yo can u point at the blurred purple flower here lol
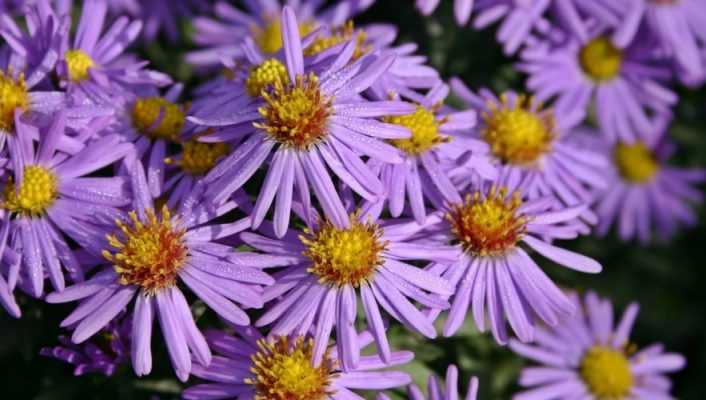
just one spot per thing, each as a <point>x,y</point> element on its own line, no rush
<point>439,392</point>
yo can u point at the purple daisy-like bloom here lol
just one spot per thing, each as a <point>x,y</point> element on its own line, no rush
<point>94,66</point>
<point>147,253</point>
<point>105,354</point>
<point>645,195</point>
<point>314,122</point>
<point>421,178</point>
<point>587,357</point>
<point>159,16</point>
<point>439,392</point>
<point>51,194</point>
<point>224,35</point>
<point>619,79</point>
<point>281,368</point>
<point>494,273</point>
<point>534,150</point>
<point>462,9</point>
<point>328,265</point>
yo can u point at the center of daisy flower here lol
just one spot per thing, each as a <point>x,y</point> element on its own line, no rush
<point>37,192</point>
<point>425,131</point>
<point>264,76</point>
<point>269,37</point>
<point>340,35</point>
<point>606,372</point>
<point>488,225</point>
<point>78,63</point>
<point>600,59</point>
<point>148,254</point>
<point>635,162</point>
<point>157,118</point>
<point>283,371</point>
<point>198,158</point>
<point>13,95</point>
<point>295,114</point>
<point>519,133</point>
<point>346,256</point>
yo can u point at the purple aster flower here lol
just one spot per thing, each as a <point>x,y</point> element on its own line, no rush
<point>534,149</point>
<point>109,350</point>
<point>147,253</point>
<point>587,357</point>
<point>159,16</point>
<point>495,273</point>
<point>328,265</point>
<point>421,178</point>
<point>462,9</point>
<point>51,195</point>
<point>94,66</point>
<point>439,392</point>
<point>620,80</point>
<point>222,36</point>
<point>281,368</point>
<point>644,195</point>
<point>314,122</point>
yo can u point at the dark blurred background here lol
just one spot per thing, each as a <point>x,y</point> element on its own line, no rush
<point>667,279</point>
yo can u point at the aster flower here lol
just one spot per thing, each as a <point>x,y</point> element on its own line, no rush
<point>222,36</point>
<point>281,368</point>
<point>328,265</point>
<point>314,121</point>
<point>51,194</point>
<point>421,178</point>
<point>645,195</point>
<point>588,357</point>
<point>462,9</point>
<point>534,149</point>
<point>159,16</point>
<point>147,253</point>
<point>439,392</point>
<point>93,66</point>
<point>495,273</point>
<point>105,354</point>
<point>620,80</point>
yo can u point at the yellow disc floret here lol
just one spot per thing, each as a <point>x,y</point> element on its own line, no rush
<point>600,59</point>
<point>283,370</point>
<point>337,36</point>
<point>158,118</point>
<point>149,254</point>
<point>37,192</point>
<point>347,256</point>
<point>488,225</point>
<point>77,64</point>
<point>269,37</point>
<point>635,162</point>
<point>13,96</point>
<point>606,373</point>
<point>265,75</point>
<point>296,114</point>
<point>198,158</point>
<point>518,133</point>
<point>425,131</point>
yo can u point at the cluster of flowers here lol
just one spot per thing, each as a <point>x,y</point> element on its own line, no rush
<point>320,169</point>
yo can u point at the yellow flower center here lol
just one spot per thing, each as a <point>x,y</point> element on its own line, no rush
<point>295,114</point>
<point>269,37</point>
<point>198,158</point>
<point>340,35</point>
<point>158,118</point>
<point>38,191</point>
<point>488,225</point>
<point>425,131</point>
<point>265,75</point>
<point>635,162</point>
<point>78,63</point>
<point>600,59</point>
<point>148,254</point>
<point>519,134</point>
<point>347,256</point>
<point>13,95</point>
<point>606,372</point>
<point>283,370</point>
